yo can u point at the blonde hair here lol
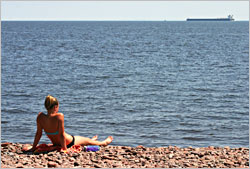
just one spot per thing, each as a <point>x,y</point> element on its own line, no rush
<point>50,102</point>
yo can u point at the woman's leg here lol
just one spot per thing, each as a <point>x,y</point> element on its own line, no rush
<point>95,137</point>
<point>79,140</point>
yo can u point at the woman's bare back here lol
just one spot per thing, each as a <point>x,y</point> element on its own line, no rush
<point>50,124</point>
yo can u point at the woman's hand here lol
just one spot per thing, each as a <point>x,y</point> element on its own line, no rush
<point>33,149</point>
<point>28,148</point>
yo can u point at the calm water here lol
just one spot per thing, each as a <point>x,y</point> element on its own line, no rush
<point>149,83</point>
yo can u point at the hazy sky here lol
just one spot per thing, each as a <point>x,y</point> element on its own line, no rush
<point>122,10</point>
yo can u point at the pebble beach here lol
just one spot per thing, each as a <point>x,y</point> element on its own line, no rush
<point>12,156</point>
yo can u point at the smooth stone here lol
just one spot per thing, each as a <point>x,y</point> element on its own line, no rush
<point>19,165</point>
<point>52,164</point>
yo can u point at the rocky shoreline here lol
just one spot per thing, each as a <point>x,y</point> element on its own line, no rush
<point>12,156</point>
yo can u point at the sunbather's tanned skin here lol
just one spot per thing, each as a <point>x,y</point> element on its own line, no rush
<point>53,125</point>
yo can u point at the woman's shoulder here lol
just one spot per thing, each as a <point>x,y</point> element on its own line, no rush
<point>40,114</point>
<point>59,115</point>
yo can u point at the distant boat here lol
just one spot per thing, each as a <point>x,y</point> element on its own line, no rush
<point>229,18</point>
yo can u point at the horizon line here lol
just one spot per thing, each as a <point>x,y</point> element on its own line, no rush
<point>110,20</point>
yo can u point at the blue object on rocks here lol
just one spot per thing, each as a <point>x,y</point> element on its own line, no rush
<point>91,148</point>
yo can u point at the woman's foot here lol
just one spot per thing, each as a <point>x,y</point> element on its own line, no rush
<point>108,140</point>
<point>95,138</point>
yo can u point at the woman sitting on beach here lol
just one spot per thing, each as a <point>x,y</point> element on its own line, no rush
<point>53,125</point>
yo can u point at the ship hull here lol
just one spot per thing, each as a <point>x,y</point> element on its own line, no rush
<point>220,19</point>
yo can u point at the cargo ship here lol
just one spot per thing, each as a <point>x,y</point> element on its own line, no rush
<point>229,18</point>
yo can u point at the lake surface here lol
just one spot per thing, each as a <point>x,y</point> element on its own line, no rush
<point>145,83</point>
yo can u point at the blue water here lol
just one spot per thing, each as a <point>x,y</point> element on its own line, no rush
<point>145,83</point>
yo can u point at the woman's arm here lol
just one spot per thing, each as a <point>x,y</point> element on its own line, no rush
<point>39,131</point>
<point>61,132</point>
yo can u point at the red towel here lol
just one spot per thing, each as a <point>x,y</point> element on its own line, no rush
<point>44,148</point>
